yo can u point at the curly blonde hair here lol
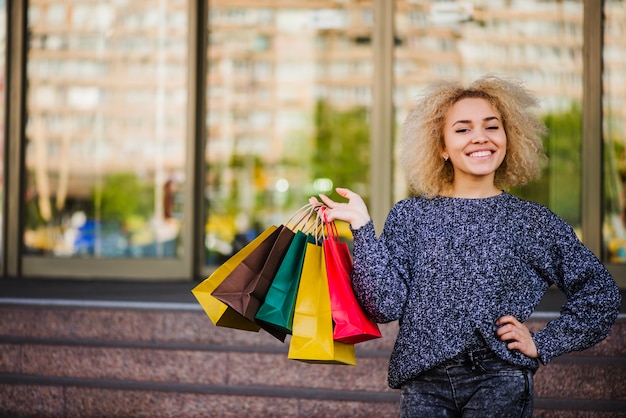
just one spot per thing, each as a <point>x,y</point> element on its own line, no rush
<point>422,135</point>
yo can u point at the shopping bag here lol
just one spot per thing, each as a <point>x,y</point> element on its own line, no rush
<point>312,333</point>
<point>220,313</point>
<point>352,325</point>
<point>277,309</point>
<point>244,289</point>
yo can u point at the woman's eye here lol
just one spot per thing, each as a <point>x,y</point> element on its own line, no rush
<point>462,130</point>
<point>493,128</point>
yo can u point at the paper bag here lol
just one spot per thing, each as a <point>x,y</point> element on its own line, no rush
<point>312,332</point>
<point>220,313</point>
<point>352,325</point>
<point>277,310</point>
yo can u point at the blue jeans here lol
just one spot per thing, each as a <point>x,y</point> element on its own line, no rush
<point>474,384</point>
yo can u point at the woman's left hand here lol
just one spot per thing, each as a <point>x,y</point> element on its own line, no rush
<point>354,211</point>
<point>517,336</point>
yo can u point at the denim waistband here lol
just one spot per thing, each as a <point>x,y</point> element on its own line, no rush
<point>470,357</point>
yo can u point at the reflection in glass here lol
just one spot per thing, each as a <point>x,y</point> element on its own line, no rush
<point>614,126</point>
<point>106,106</point>
<point>537,42</point>
<point>289,88</point>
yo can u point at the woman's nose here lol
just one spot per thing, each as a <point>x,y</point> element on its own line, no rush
<point>480,137</point>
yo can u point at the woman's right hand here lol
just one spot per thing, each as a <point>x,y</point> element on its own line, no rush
<point>354,211</point>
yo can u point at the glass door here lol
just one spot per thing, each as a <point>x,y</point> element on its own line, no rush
<point>106,137</point>
<point>3,47</point>
<point>539,43</point>
<point>288,99</point>
<point>614,123</point>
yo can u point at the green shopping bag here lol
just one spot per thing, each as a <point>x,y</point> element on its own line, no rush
<point>277,309</point>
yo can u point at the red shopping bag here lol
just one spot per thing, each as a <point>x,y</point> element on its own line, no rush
<point>352,325</point>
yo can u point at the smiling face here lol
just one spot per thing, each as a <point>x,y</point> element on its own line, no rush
<point>475,142</point>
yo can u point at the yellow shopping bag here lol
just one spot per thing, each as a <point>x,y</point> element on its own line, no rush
<point>221,314</point>
<point>312,333</point>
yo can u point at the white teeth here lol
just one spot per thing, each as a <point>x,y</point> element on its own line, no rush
<point>480,154</point>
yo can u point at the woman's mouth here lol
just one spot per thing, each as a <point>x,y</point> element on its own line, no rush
<point>478,154</point>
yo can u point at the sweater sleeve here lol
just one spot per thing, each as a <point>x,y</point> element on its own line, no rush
<point>379,272</point>
<point>593,298</point>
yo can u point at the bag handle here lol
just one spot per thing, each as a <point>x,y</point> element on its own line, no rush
<point>330,227</point>
<point>318,226</point>
<point>302,218</point>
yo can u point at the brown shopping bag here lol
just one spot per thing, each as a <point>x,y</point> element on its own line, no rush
<point>312,332</point>
<point>277,309</point>
<point>244,289</point>
<point>220,313</point>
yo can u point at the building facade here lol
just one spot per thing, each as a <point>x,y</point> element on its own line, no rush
<point>151,139</point>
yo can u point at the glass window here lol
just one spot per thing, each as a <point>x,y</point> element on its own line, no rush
<point>538,42</point>
<point>106,128</point>
<point>289,88</point>
<point>614,126</point>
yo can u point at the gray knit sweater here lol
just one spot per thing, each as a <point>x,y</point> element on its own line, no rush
<point>448,268</point>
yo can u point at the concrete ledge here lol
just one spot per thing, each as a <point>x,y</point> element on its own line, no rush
<point>147,294</point>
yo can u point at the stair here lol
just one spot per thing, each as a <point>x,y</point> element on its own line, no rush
<point>163,359</point>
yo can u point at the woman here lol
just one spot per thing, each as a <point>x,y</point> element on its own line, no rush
<point>463,264</point>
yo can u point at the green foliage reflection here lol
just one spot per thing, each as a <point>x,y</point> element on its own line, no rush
<point>123,196</point>
<point>342,150</point>
<point>559,187</point>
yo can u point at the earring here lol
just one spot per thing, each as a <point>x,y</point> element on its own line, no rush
<point>446,159</point>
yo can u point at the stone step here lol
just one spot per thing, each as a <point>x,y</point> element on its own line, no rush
<point>154,323</point>
<point>202,366</point>
<point>111,361</point>
<point>579,377</point>
<point>119,400</point>
<point>187,323</point>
